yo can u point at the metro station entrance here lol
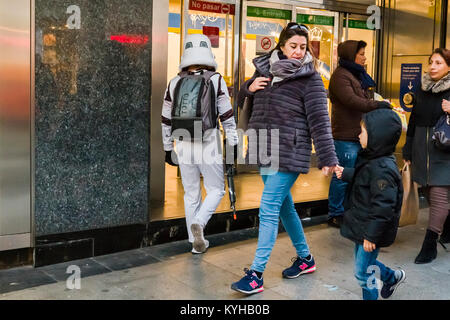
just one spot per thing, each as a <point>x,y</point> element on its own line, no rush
<point>240,31</point>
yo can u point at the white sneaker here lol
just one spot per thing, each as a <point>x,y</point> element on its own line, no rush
<point>197,252</point>
<point>199,241</point>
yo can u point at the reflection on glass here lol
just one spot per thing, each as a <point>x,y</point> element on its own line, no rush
<point>258,26</point>
<point>223,50</point>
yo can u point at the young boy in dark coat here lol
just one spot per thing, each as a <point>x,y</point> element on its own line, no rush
<point>374,202</point>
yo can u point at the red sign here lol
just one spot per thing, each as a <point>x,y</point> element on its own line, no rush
<point>213,34</point>
<point>212,7</point>
<point>266,43</point>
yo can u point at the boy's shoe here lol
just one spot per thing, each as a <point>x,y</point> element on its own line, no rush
<point>300,266</point>
<point>389,289</point>
<point>199,241</point>
<point>197,252</point>
<point>249,284</point>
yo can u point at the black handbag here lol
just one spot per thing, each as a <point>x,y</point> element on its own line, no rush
<point>441,135</point>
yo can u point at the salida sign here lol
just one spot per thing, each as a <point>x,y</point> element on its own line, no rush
<point>212,7</point>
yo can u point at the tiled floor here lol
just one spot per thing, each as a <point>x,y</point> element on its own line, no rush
<point>170,271</point>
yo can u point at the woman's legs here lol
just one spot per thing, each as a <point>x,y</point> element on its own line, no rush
<point>439,206</point>
<point>439,202</point>
<point>293,225</point>
<point>276,188</point>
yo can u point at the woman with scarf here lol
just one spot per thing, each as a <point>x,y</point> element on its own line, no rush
<point>349,92</point>
<point>430,166</point>
<point>289,99</point>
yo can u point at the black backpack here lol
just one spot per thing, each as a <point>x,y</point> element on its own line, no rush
<point>194,102</point>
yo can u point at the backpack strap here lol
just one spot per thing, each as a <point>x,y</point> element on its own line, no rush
<point>215,92</point>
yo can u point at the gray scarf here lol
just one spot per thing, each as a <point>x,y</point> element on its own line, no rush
<point>286,68</point>
<point>435,86</point>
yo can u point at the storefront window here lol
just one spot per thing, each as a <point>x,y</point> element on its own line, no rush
<point>262,29</point>
<point>174,38</point>
<point>358,30</point>
<point>321,31</point>
<point>219,27</point>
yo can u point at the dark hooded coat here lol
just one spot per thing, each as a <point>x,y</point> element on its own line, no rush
<point>374,202</point>
<point>349,100</point>
<point>297,108</point>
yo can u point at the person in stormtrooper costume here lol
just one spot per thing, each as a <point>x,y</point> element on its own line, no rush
<point>199,157</point>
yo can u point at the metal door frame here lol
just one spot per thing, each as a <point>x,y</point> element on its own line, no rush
<point>22,235</point>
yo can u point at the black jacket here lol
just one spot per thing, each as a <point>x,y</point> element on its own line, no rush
<point>374,202</point>
<point>429,165</point>
<point>297,108</point>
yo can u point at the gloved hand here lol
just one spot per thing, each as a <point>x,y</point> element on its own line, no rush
<point>232,136</point>
<point>383,105</point>
<point>169,158</point>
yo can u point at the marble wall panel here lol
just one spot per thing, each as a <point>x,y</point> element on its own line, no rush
<point>92,113</point>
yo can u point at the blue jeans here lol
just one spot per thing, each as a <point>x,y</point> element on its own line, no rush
<point>276,203</point>
<point>347,152</point>
<point>367,268</point>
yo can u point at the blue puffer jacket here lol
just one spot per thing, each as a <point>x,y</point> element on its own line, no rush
<point>297,107</point>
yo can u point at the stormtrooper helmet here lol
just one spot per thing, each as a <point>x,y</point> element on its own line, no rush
<point>197,51</point>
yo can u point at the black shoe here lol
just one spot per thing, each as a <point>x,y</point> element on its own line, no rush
<point>335,222</point>
<point>429,248</point>
<point>389,289</point>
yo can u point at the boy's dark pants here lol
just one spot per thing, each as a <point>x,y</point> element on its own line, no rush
<point>367,269</point>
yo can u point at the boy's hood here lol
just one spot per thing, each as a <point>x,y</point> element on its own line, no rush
<point>384,128</point>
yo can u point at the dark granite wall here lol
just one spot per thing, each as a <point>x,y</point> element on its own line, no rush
<point>92,114</point>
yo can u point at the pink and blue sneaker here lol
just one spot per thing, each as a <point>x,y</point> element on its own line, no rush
<point>300,266</point>
<point>249,284</point>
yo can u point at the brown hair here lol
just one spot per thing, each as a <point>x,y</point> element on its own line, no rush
<point>295,29</point>
<point>444,53</point>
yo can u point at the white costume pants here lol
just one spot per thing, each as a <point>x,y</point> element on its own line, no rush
<point>197,211</point>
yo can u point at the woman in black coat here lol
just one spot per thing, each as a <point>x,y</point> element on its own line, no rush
<point>430,166</point>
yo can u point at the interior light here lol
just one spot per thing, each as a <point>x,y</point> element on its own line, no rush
<point>132,39</point>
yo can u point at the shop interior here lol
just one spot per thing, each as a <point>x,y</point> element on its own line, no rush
<point>260,20</point>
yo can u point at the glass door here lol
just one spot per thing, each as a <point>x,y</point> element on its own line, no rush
<point>323,26</point>
<point>215,20</point>
<point>212,18</point>
<point>261,26</point>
